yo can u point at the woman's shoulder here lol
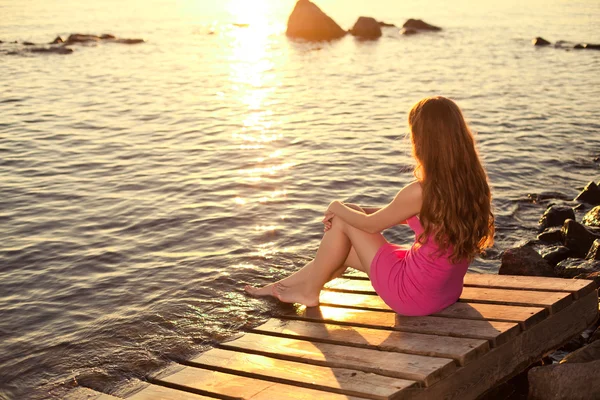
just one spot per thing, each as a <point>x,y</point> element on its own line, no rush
<point>413,190</point>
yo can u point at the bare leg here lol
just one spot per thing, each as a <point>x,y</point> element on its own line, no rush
<point>307,271</point>
<point>329,262</point>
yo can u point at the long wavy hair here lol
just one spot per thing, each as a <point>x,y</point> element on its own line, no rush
<point>456,208</point>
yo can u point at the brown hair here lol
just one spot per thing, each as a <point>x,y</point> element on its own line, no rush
<point>456,208</point>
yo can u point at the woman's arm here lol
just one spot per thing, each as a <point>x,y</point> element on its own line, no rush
<point>366,210</point>
<point>406,204</point>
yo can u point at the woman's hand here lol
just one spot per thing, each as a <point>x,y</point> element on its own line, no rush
<point>329,214</point>
<point>327,220</point>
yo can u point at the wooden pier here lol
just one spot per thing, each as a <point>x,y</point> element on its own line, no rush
<point>354,347</point>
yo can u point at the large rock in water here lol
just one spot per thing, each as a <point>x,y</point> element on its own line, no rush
<point>307,21</point>
<point>420,25</point>
<point>556,254</point>
<point>590,194</point>
<point>576,267</point>
<point>538,41</point>
<point>588,353</point>
<point>524,261</point>
<point>592,218</point>
<point>594,252</point>
<point>565,381</point>
<point>366,28</point>
<point>578,238</point>
<point>555,216</point>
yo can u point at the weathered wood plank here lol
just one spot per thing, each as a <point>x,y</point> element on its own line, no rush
<point>81,392</point>
<point>552,301</point>
<point>462,350</point>
<point>494,331</point>
<point>156,392</point>
<point>336,380</point>
<point>526,316</point>
<point>241,387</point>
<point>505,361</point>
<point>578,287</point>
<point>426,370</point>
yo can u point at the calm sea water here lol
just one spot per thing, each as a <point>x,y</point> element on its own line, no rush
<point>143,186</point>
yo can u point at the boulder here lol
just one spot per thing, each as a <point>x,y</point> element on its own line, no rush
<point>565,381</point>
<point>594,252</point>
<point>129,41</point>
<point>386,25</point>
<point>590,194</point>
<point>81,38</point>
<point>578,238</point>
<point>420,25</point>
<point>588,353</point>
<point>551,235</point>
<point>576,267</point>
<point>592,218</point>
<point>556,216</point>
<point>407,31</point>
<point>28,44</point>
<point>57,40</point>
<point>538,41</point>
<point>106,36</point>
<point>366,28</point>
<point>595,336</point>
<point>543,196</point>
<point>556,254</point>
<point>307,21</point>
<point>587,46</point>
<point>524,261</point>
<point>54,50</point>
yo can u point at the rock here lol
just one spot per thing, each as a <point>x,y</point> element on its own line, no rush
<point>105,36</point>
<point>129,41</point>
<point>54,50</point>
<point>590,194</point>
<point>57,40</point>
<point>1,42</point>
<point>307,21</point>
<point>556,254</point>
<point>420,25</point>
<point>386,25</point>
<point>587,46</point>
<point>551,235</point>
<point>81,38</point>
<point>577,238</point>
<point>593,276</point>
<point>594,252</point>
<point>565,381</point>
<point>366,28</point>
<point>538,41</point>
<point>588,353</point>
<point>28,44</point>
<point>540,197</point>
<point>556,216</point>
<point>595,336</point>
<point>592,218</point>
<point>524,261</point>
<point>405,31</point>
<point>576,267</point>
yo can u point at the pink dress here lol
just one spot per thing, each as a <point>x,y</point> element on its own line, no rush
<point>416,281</point>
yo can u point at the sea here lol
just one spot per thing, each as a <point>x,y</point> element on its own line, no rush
<point>142,186</point>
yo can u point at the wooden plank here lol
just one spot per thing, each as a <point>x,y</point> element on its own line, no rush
<point>494,331</point>
<point>231,386</point>
<point>81,392</point>
<point>578,287</point>
<point>336,380</point>
<point>526,316</point>
<point>156,392</point>
<point>462,350</point>
<point>505,361</point>
<point>552,301</point>
<point>426,370</point>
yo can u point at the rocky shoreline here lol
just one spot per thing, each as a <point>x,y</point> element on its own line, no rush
<point>567,246</point>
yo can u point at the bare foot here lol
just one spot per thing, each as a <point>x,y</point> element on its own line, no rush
<point>266,290</point>
<point>295,294</point>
